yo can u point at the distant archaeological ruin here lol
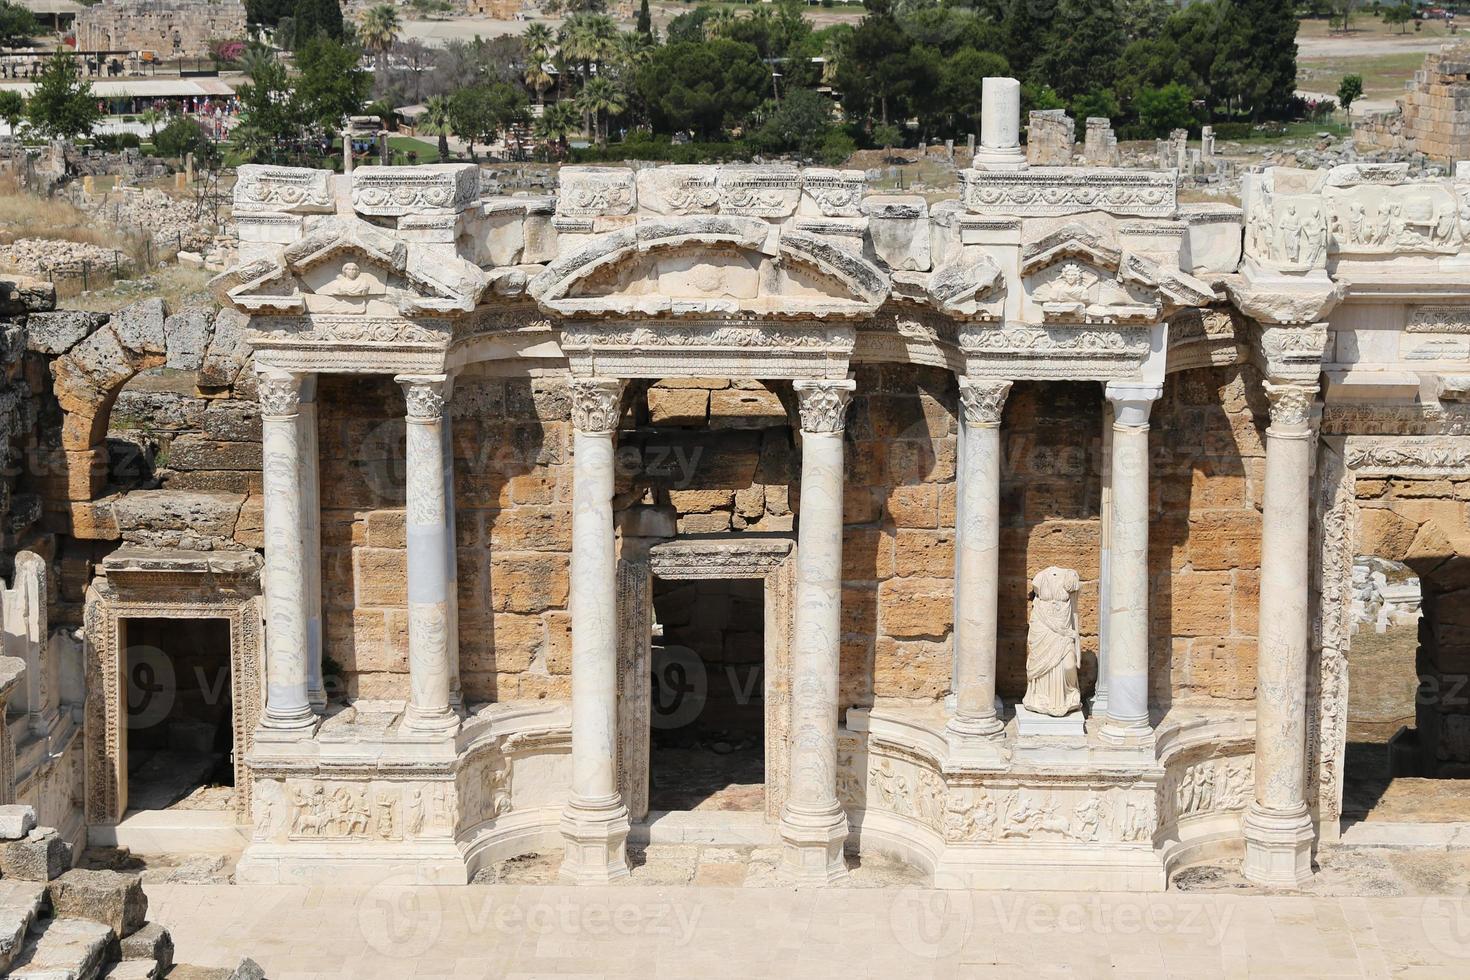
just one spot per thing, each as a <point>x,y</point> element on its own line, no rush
<point>1010,534</point>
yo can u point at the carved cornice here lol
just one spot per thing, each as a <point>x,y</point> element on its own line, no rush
<point>983,402</point>
<point>823,403</point>
<point>597,404</point>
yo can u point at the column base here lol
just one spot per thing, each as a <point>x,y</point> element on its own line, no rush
<point>811,846</point>
<point>1126,734</point>
<point>596,836</point>
<point>287,727</point>
<point>987,158</point>
<point>976,743</point>
<point>442,723</point>
<point>1278,847</point>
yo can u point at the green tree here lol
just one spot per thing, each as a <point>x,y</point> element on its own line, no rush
<point>182,136</point>
<point>151,117</point>
<point>62,105</point>
<point>17,25</point>
<point>1162,110</point>
<point>481,112</point>
<point>332,84</point>
<point>800,124</point>
<point>1349,90</point>
<point>269,114</point>
<point>312,18</point>
<point>703,87</point>
<point>644,24</point>
<point>539,41</point>
<point>1255,59</point>
<point>600,99</point>
<point>961,79</point>
<point>1400,15</point>
<point>12,108</point>
<point>437,121</point>
<point>1080,51</point>
<point>379,30</point>
<point>555,125</point>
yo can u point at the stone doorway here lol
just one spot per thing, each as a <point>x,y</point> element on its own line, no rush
<point>179,751</point>
<point>707,695</point>
<point>749,575</point>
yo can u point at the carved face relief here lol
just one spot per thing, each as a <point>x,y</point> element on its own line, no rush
<point>346,287</point>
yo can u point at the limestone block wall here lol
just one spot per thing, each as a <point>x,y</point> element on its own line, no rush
<point>1433,115</point>
<point>513,517</point>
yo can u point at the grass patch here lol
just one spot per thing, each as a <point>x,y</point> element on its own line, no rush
<point>1384,75</point>
<point>179,286</point>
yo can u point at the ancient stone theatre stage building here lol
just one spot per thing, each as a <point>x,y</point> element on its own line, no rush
<point>1009,534</point>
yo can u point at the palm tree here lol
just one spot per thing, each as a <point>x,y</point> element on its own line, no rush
<point>151,117</point>
<point>256,57</point>
<point>538,41</point>
<point>601,99</point>
<point>435,122</point>
<point>379,30</point>
<point>557,123</point>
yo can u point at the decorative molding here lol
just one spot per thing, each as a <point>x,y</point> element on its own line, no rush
<point>1438,319</point>
<point>1055,191</point>
<point>279,392</point>
<point>1408,456</point>
<point>425,396</point>
<point>718,559</point>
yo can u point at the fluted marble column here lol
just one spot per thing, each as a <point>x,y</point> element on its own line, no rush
<point>287,706</point>
<point>594,825</point>
<point>813,823</point>
<point>977,563</point>
<point>430,675</point>
<point>1278,827</point>
<point>451,562</point>
<point>1128,586</point>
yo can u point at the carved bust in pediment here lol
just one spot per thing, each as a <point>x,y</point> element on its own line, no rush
<point>1079,292</point>
<point>348,285</point>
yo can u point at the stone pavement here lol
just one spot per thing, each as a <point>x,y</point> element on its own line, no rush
<point>398,930</point>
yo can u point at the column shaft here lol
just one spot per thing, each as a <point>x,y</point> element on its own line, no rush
<point>312,514</point>
<point>813,823</point>
<point>429,599</point>
<point>1128,582</point>
<point>977,561</point>
<point>1278,828</point>
<point>287,707</point>
<point>1105,565</point>
<point>594,824</point>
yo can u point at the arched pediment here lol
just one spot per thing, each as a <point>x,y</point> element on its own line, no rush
<point>710,266</point>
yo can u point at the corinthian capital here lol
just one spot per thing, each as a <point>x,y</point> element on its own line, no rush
<point>279,392</point>
<point>1291,404</point>
<point>823,403</point>
<point>597,404</point>
<point>425,395</point>
<point>983,402</point>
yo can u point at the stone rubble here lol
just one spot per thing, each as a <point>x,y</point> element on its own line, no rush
<point>49,257</point>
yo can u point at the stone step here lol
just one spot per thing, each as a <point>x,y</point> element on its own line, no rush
<point>20,905</point>
<point>64,949</point>
<point>132,970</point>
<point>247,970</point>
<point>151,944</point>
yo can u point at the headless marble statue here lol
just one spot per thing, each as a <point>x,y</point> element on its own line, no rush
<point>1053,648</point>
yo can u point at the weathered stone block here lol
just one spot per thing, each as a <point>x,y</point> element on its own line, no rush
<point>151,944</point>
<point>381,575</point>
<point>528,582</point>
<point>202,514</point>
<point>61,330</point>
<point>16,821</point>
<point>682,406</point>
<point>915,607</point>
<point>746,409</point>
<point>64,949</point>
<point>41,856</point>
<point>910,668</point>
<point>186,336</point>
<point>140,326</point>
<point>194,451</point>
<point>1384,534</point>
<point>110,897</point>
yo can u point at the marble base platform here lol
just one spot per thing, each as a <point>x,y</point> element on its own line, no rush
<point>1029,723</point>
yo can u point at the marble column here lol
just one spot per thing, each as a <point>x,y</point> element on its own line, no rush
<point>316,691</point>
<point>1127,720</point>
<point>288,610</point>
<point>1278,826</point>
<point>1000,125</point>
<point>594,825</point>
<point>1104,564</point>
<point>430,675</point>
<point>813,823</point>
<point>451,563</point>
<point>977,564</point>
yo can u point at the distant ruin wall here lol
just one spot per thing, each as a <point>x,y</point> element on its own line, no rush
<point>1433,115</point>
<point>170,28</point>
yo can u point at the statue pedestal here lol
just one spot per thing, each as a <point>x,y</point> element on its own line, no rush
<point>1029,723</point>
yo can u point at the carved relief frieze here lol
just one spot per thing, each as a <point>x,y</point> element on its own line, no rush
<point>593,191</point>
<point>1116,814</point>
<point>1054,191</point>
<point>1409,456</point>
<point>1438,319</point>
<point>1287,232</point>
<point>1394,220</point>
<point>396,191</point>
<point>485,787</point>
<point>312,809</point>
<point>1211,785</point>
<point>291,189</point>
<point>759,192</point>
